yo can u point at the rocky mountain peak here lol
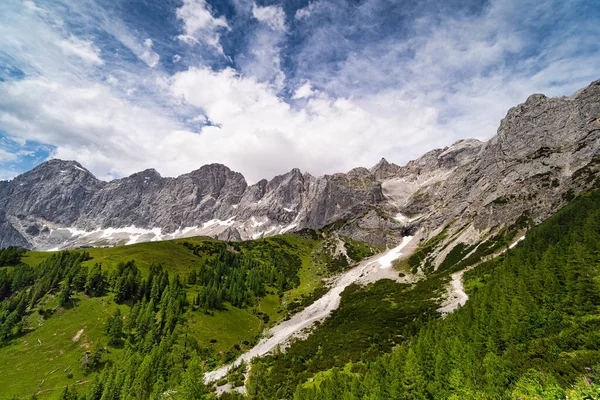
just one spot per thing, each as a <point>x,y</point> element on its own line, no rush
<point>535,99</point>
<point>384,169</point>
<point>56,168</point>
<point>383,163</point>
<point>145,177</point>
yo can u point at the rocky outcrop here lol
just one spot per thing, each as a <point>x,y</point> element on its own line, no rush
<point>385,170</point>
<point>546,151</point>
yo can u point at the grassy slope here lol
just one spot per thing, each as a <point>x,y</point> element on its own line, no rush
<point>24,363</point>
<point>171,254</point>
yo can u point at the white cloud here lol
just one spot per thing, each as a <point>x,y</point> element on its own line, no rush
<point>470,68</point>
<point>303,92</point>
<point>176,58</point>
<point>5,156</point>
<point>306,12</point>
<point>143,50</point>
<point>261,135</point>
<point>85,49</point>
<point>273,16</point>
<point>199,24</point>
<point>90,124</point>
<point>262,58</point>
<point>37,42</point>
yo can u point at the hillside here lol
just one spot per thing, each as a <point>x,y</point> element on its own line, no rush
<point>56,307</point>
<point>529,330</point>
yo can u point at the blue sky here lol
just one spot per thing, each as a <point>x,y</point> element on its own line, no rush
<point>265,86</point>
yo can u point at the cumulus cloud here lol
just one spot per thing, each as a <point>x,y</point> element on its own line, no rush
<point>199,24</point>
<point>70,118</point>
<point>257,128</point>
<point>273,16</point>
<point>303,92</point>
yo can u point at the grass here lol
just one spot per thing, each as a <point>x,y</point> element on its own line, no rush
<point>271,305</point>
<point>25,364</point>
<point>176,258</point>
<point>223,329</point>
<point>312,271</point>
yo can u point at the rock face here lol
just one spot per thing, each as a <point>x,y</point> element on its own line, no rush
<point>545,152</point>
<point>60,204</point>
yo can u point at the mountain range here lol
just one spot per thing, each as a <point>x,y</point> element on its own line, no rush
<point>546,151</point>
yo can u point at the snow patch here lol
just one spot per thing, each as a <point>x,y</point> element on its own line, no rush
<point>401,217</point>
<point>388,258</point>
<point>265,233</point>
<point>516,242</point>
<point>255,223</point>
<point>132,234</point>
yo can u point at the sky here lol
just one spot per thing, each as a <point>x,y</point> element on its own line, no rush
<point>266,86</point>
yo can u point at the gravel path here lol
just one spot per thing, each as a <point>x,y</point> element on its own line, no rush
<point>456,294</point>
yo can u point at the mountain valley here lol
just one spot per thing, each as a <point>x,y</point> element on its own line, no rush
<point>468,273</point>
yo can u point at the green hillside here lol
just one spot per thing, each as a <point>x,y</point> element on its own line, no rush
<point>199,298</point>
<point>530,330</point>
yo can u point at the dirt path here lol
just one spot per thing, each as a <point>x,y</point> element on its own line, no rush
<point>317,311</point>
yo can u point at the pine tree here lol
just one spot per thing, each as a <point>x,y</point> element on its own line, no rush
<point>114,328</point>
<point>64,296</point>
<point>413,382</point>
<point>192,382</point>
